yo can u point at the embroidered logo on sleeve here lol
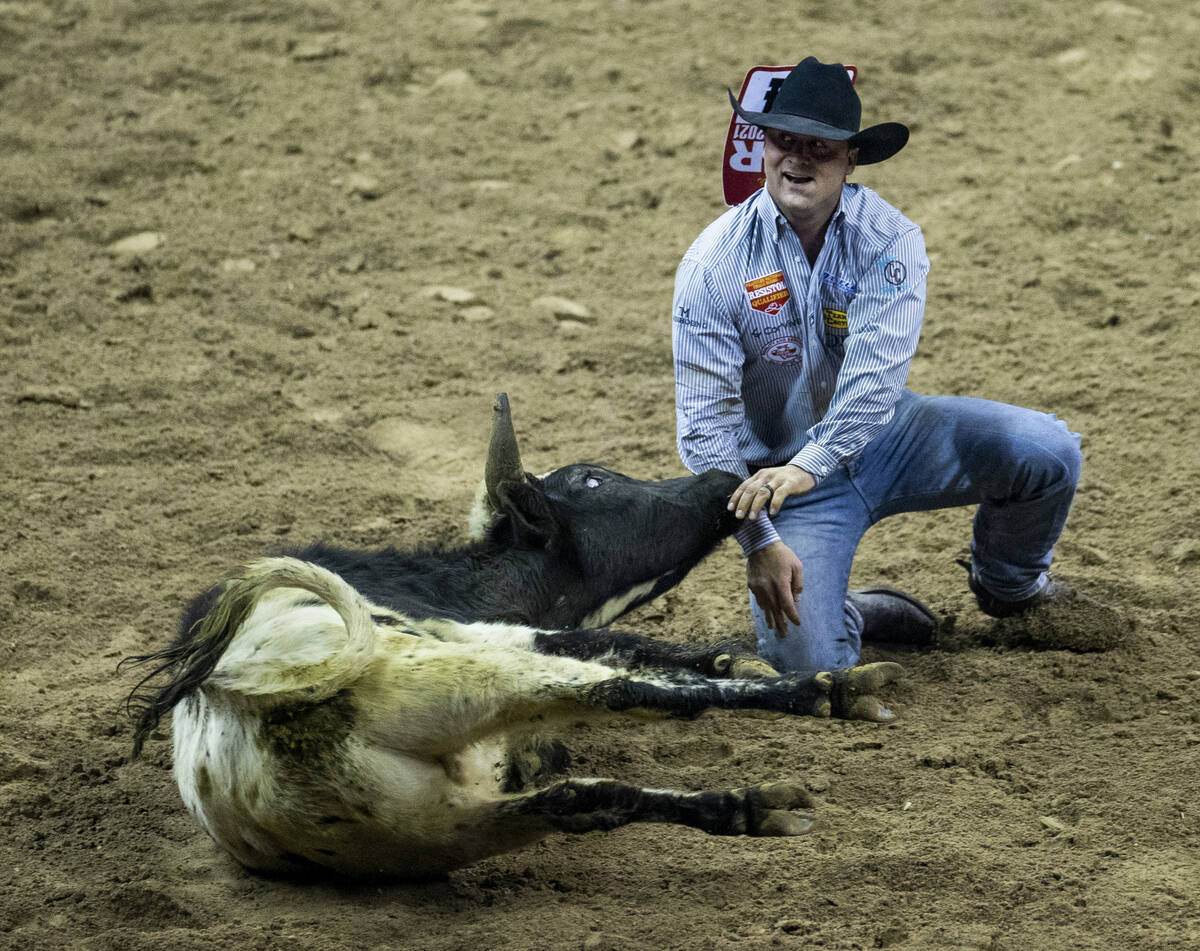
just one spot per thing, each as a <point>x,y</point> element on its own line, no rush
<point>682,317</point>
<point>894,272</point>
<point>768,293</point>
<point>834,319</point>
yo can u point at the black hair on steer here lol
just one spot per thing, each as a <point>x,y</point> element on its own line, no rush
<point>378,713</point>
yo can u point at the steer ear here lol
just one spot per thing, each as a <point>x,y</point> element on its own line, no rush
<point>530,514</point>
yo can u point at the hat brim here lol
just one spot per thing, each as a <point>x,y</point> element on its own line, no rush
<point>878,142</point>
<point>874,144</point>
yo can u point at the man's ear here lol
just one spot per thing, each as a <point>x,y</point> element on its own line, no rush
<point>530,513</point>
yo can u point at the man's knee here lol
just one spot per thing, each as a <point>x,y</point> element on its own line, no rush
<point>1057,451</point>
<point>1025,455</point>
<point>799,653</point>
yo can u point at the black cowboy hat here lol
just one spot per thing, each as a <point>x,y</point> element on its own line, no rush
<point>818,99</point>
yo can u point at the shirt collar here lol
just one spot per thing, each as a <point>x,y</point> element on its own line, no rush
<point>777,225</point>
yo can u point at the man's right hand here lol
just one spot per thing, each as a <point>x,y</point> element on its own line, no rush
<point>776,577</point>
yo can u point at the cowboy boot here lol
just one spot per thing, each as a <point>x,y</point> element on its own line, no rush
<point>893,617</point>
<point>1054,594</point>
<point>1057,617</point>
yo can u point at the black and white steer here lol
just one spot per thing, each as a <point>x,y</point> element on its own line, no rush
<point>379,713</point>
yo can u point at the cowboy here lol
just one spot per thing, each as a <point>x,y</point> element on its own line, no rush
<point>796,316</point>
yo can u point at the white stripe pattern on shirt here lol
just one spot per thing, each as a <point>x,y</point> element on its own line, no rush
<point>777,361</point>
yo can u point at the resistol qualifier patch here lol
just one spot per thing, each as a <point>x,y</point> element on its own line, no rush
<point>768,293</point>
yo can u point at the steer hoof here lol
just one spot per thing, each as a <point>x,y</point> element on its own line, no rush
<point>743,667</point>
<point>784,823</point>
<point>781,796</point>
<point>852,694</point>
<point>768,808</point>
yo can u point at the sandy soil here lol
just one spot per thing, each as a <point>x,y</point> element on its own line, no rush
<point>277,358</point>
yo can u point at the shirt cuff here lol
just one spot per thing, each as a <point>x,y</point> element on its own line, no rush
<point>757,535</point>
<point>817,461</point>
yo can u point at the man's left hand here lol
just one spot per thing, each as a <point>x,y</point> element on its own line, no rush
<point>769,487</point>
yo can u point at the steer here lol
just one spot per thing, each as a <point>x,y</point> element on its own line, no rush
<point>381,713</point>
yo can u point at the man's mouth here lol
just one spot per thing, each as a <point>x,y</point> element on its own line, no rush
<point>797,179</point>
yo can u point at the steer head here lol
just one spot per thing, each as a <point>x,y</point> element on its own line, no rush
<point>621,540</point>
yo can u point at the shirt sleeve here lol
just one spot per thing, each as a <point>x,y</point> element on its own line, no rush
<point>709,412</point>
<point>884,322</point>
<point>708,354</point>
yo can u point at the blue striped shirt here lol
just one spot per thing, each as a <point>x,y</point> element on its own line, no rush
<point>777,361</point>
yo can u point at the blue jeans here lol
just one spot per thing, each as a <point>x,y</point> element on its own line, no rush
<point>1019,466</point>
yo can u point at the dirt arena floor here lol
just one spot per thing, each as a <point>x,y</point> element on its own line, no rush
<point>262,267</point>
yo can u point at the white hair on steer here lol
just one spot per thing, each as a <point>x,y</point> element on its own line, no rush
<point>482,515</point>
<point>381,713</point>
<point>615,606</point>
<point>286,647</point>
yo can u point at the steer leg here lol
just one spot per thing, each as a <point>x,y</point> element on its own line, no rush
<point>726,659</point>
<point>465,693</point>
<point>488,828</point>
<point>847,694</point>
<point>590,805</point>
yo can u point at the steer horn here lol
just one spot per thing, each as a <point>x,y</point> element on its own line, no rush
<point>504,459</point>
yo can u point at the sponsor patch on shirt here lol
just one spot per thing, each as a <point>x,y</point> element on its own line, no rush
<point>774,330</point>
<point>768,293</point>
<point>786,350</point>
<point>834,319</point>
<point>682,317</point>
<point>849,288</point>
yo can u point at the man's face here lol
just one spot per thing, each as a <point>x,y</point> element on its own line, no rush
<point>805,175</point>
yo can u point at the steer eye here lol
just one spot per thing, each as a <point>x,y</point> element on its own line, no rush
<point>591,482</point>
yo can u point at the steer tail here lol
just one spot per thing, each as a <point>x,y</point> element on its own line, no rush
<point>194,659</point>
